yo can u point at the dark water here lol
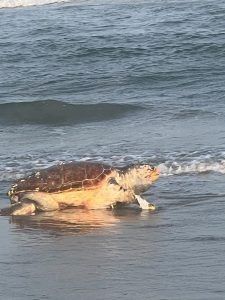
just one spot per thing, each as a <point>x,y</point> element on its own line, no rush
<point>118,82</point>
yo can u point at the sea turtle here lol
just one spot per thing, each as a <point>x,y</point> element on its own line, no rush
<point>87,185</point>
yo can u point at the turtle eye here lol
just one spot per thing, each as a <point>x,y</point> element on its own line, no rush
<point>151,168</point>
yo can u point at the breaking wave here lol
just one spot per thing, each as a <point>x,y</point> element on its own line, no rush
<point>10,171</point>
<point>54,112</point>
<point>194,167</point>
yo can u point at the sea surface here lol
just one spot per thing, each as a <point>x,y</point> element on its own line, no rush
<point>118,82</point>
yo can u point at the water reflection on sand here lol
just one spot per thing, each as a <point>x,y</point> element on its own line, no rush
<point>72,221</point>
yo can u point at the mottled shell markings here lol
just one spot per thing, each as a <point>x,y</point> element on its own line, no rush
<point>74,175</point>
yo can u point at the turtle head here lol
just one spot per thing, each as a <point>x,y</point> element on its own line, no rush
<point>140,177</point>
<point>146,173</point>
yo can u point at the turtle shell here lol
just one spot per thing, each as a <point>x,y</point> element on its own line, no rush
<point>62,177</point>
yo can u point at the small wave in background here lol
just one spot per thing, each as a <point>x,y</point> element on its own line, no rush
<point>58,113</point>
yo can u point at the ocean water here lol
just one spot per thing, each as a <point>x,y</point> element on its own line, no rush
<point>118,82</point>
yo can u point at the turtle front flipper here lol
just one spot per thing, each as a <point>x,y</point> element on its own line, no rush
<point>144,204</point>
<point>19,209</point>
<point>118,195</point>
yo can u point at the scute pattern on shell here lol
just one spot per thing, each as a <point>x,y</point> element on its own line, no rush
<point>74,175</point>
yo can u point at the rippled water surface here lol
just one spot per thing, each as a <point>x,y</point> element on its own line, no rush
<point>118,82</point>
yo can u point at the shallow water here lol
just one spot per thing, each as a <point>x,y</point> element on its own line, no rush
<point>117,82</point>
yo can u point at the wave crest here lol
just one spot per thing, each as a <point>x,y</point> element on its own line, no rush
<point>24,165</point>
<point>54,112</point>
<point>193,167</point>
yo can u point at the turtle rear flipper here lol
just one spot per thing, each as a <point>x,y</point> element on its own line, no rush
<point>18,209</point>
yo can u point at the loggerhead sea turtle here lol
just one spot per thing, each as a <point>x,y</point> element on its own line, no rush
<point>81,184</point>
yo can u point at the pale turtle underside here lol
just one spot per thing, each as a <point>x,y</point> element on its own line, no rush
<point>62,177</point>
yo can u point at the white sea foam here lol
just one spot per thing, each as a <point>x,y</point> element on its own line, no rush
<point>17,3</point>
<point>167,168</point>
<point>193,167</point>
